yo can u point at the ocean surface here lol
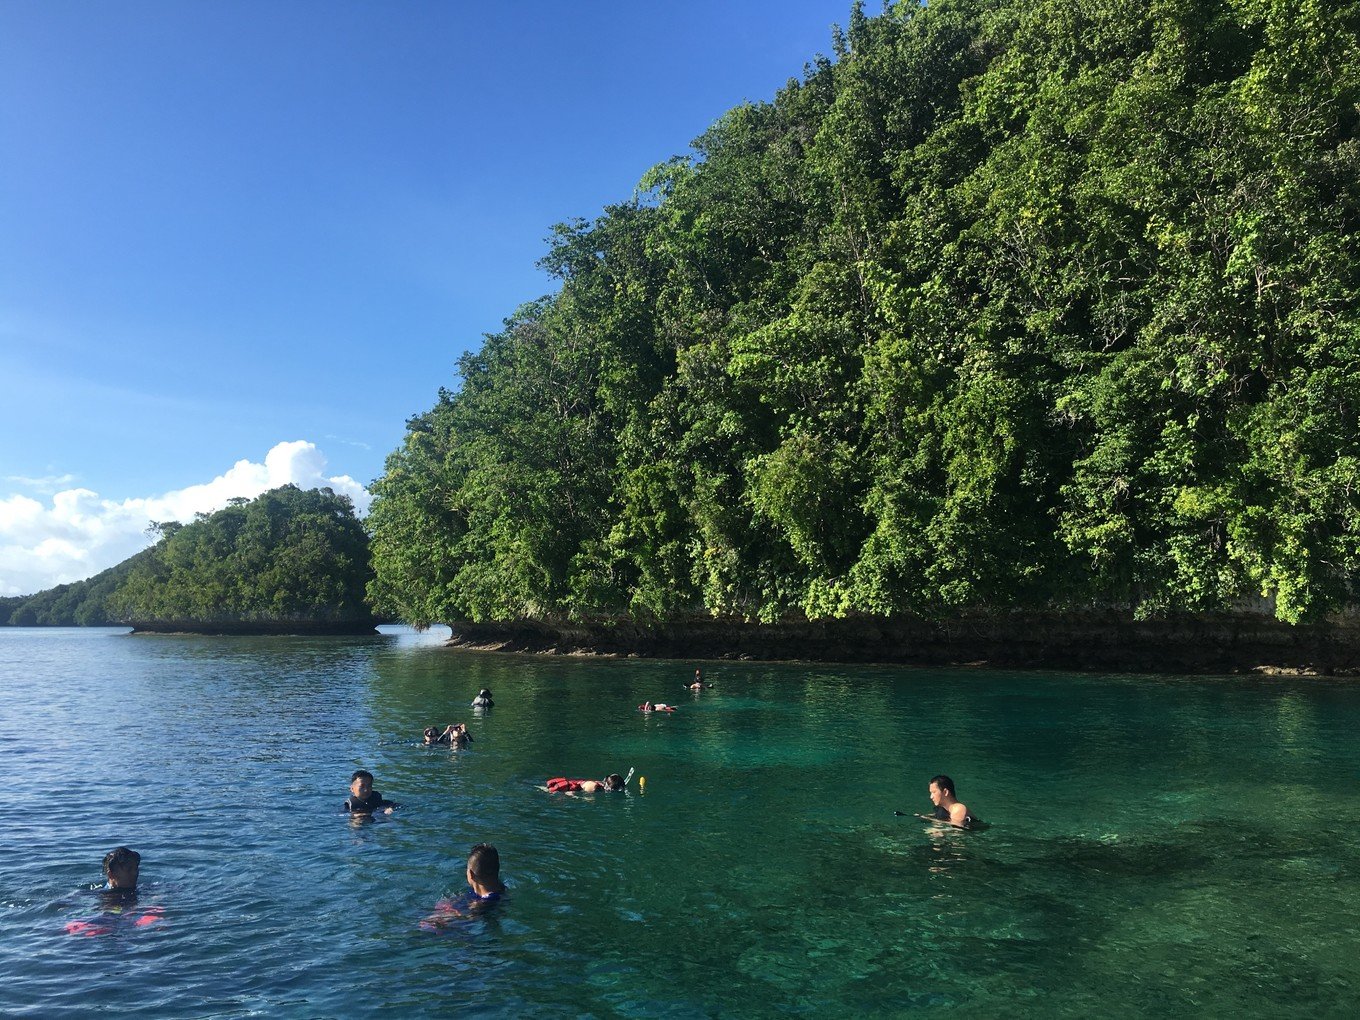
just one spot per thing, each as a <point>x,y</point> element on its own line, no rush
<point>1157,845</point>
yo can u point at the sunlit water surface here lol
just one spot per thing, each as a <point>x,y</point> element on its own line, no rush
<point>1158,845</point>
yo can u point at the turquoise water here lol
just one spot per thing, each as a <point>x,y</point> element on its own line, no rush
<point>1158,845</point>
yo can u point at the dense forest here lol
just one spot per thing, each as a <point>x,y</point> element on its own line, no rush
<point>80,604</point>
<point>1008,305</point>
<point>288,557</point>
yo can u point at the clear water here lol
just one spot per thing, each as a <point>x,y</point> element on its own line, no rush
<point>1158,845</point>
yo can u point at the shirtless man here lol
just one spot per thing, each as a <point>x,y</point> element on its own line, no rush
<point>948,808</point>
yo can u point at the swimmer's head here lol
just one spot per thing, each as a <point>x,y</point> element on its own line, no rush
<point>485,692</point>
<point>484,866</point>
<point>361,783</point>
<point>613,782</point>
<point>941,787</point>
<point>121,867</point>
<point>431,734</point>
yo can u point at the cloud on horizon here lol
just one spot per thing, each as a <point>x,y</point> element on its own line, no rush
<point>80,534</point>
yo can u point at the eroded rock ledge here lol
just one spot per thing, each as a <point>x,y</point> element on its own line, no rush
<point>1086,640</point>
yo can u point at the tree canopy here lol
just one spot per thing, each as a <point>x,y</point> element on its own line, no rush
<point>288,555</point>
<point>1009,305</point>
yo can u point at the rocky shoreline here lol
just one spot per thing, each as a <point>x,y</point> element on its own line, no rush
<point>1091,640</point>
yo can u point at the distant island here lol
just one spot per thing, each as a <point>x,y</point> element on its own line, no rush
<point>992,320</point>
<point>287,562</point>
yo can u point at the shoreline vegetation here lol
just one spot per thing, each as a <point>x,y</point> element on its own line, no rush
<point>1082,640</point>
<point>1009,306</point>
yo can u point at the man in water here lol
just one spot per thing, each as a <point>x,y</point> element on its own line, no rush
<point>612,783</point>
<point>121,868</point>
<point>948,808</point>
<point>484,889</point>
<point>364,800</point>
<point>118,898</point>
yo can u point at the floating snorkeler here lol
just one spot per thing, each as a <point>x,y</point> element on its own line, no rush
<point>485,888</point>
<point>118,897</point>
<point>612,783</point>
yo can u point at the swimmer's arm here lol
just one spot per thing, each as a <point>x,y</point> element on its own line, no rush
<point>958,816</point>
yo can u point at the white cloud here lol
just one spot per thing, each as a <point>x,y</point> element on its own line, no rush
<point>46,484</point>
<point>79,534</point>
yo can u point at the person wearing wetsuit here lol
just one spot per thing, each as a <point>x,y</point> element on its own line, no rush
<point>118,898</point>
<point>947,806</point>
<point>485,888</point>
<point>363,799</point>
<point>121,868</point>
<point>455,735</point>
<point>483,699</point>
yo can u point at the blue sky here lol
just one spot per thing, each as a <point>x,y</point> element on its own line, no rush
<point>234,228</point>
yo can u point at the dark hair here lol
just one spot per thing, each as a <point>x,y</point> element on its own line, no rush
<point>430,731</point>
<point>945,784</point>
<point>613,781</point>
<point>121,859</point>
<point>485,691</point>
<point>362,774</point>
<point>484,861</point>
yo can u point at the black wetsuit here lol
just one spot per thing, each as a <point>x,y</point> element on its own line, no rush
<point>373,802</point>
<point>941,815</point>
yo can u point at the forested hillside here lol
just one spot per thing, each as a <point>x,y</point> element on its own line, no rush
<point>1009,304</point>
<point>79,604</point>
<point>287,556</point>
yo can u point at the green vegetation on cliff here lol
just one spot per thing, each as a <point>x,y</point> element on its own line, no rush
<point>1012,304</point>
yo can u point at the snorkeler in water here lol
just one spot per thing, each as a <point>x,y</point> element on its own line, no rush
<point>483,699</point>
<point>485,888</point>
<point>363,799</point>
<point>118,898</point>
<point>121,868</point>
<point>612,783</point>
<point>948,808</point>
<point>455,735</point>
